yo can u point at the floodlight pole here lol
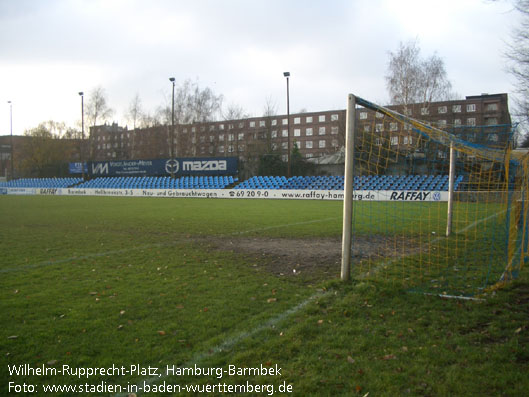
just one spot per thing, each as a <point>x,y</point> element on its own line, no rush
<point>81,94</point>
<point>11,129</point>
<point>171,145</point>
<point>289,169</point>
<point>451,176</point>
<point>348,188</point>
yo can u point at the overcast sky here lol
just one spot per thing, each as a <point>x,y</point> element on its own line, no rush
<point>52,49</point>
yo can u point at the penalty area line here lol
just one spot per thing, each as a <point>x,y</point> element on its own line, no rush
<point>262,229</point>
<point>159,245</point>
<point>78,258</point>
<point>231,341</point>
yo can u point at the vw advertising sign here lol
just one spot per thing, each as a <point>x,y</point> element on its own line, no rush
<point>161,167</point>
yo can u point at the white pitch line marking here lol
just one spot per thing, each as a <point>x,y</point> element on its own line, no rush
<point>228,343</point>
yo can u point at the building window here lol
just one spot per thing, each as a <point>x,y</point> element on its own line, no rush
<point>274,122</point>
<point>407,140</point>
<point>394,140</point>
<point>297,132</point>
<point>202,139</point>
<point>378,142</point>
<point>471,107</point>
<point>221,126</point>
<point>284,157</point>
<point>441,154</point>
<point>456,108</point>
<point>308,155</point>
<point>379,127</point>
<point>491,121</point>
<point>252,124</point>
<point>409,112</point>
<point>321,118</point>
<point>321,131</point>
<point>221,137</point>
<point>457,122</point>
<point>334,143</point>
<point>241,136</point>
<point>308,119</point>
<point>321,144</point>
<point>471,121</point>
<point>493,137</point>
<point>297,120</point>
<point>425,111</point>
<point>274,134</point>
<point>230,148</point>
<point>284,133</point>
<point>231,137</point>
<point>334,117</point>
<point>284,145</point>
<point>441,123</point>
<point>308,132</point>
<point>262,123</point>
<point>379,115</point>
<point>367,128</point>
<point>492,107</point>
<point>334,130</point>
<point>284,121</point>
<point>308,144</point>
<point>393,126</point>
<point>363,115</point>
<point>442,109</point>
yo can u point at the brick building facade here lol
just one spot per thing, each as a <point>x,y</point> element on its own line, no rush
<point>315,133</point>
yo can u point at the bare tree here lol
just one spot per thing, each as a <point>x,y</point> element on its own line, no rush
<point>518,56</point>
<point>97,109</point>
<point>411,79</point>
<point>234,112</point>
<point>135,115</point>
<point>135,111</point>
<point>270,107</point>
<point>192,105</point>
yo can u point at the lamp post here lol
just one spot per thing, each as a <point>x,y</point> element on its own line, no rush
<point>82,134</point>
<point>289,169</point>
<point>171,145</point>
<point>11,129</point>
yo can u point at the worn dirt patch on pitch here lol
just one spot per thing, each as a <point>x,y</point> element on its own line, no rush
<point>307,257</point>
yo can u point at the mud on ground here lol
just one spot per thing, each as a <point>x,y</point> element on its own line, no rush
<point>314,258</point>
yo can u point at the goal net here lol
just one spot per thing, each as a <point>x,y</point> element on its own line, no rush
<point>438,207</point>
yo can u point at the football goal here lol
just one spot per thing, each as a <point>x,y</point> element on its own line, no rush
<point>444,201</point>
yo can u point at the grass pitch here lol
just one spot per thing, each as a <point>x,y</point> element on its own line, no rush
<point>95,282</point>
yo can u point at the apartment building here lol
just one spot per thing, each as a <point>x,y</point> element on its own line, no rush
<point>482,119</point>
<point>314,133</point>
